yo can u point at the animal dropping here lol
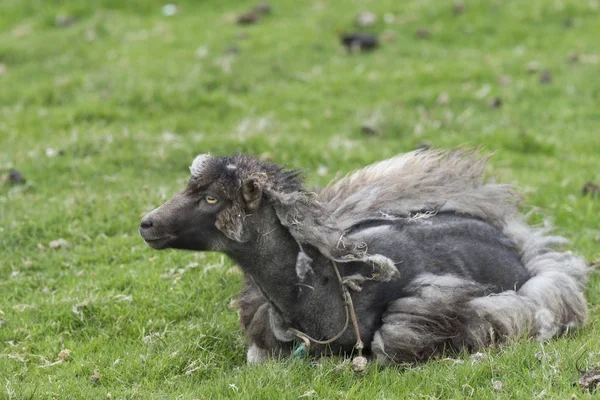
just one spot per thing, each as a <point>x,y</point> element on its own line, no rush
<point>423,33</point>
<point>592,189</point>
<point>397,261</point>
<point>14,177</point>
<point>545,77</point>
<point>359,42</point>
<point>495,102</point>
<point>248,18</point>
<point>263,8</point>
<point>589,379</point>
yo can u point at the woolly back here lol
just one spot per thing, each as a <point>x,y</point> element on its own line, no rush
<point>418,182</point>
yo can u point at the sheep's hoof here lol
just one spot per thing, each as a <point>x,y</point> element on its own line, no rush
<point>359,364</point>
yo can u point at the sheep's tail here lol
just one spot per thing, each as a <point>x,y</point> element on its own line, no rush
<point>450,312</point>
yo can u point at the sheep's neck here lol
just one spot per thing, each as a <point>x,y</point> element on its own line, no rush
<point>272,266</point>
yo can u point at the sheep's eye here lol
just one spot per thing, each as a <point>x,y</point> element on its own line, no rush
<point>211,200</point>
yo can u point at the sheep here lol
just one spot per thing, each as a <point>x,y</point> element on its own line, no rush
<point>417,251</point>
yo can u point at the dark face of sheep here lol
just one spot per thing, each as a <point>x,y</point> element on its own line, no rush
<point>222,207</point>
<point>187,221</point>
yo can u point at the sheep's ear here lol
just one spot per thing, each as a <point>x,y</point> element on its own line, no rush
<point>252,193</point>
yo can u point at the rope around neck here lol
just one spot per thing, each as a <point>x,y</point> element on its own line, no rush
<point>359,362</point>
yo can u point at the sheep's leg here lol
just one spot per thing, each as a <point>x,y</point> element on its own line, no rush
<point>448,312</point>
<point>436,316</point>
<point>260,327</point>
<point>263,343</point>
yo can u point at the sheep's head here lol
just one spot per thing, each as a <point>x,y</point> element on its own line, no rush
<point>212,210</point>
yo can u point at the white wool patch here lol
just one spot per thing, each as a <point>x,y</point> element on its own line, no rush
<point>256,355</point>
<point>303,265</point>
<point>231,167</point>
<point>199,164</point>
<point>438,286</point>
<point>547,326</point>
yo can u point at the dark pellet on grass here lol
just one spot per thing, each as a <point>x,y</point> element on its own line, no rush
<point>545,77</point>
<point>496,102</point>
<point>248,18</point>
<point>573,58</point>
<point>591,189</point>
<point>423,33</point>
<point>388,36</point>
<point>458,8</point>
<point>568,23</point>
<point>15,177</point>
<point>64,21</point>
<point>369,130</point>
<point>263,9</point>
<point>359,41</point>
<point>589,380</point>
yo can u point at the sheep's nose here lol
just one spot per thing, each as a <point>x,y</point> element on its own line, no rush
<point>146,222</point>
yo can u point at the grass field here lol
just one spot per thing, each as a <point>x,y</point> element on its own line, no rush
<point>104,104</point>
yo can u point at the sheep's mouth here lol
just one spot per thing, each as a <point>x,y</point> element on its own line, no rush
<point>158,243</point>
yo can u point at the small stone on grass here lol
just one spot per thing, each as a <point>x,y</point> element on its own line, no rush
<point>169,10</point>
<point>497,386</point>
<point>533,67</point>
<point>359,364</point>
<point>504,80</point>
<point>96,377</point>
<point>64,21</point>
<point>477,358</point>
<point>366,19</point>
<point>63,355</point>
<point>58,243</point>
<point>443,99</point>
<point>308,394</point>
<point>589,379</point>
<point>388,36</point>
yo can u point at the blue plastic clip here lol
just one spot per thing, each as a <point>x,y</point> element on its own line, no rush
<point>300,351</point>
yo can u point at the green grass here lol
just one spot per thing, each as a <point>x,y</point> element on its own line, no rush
<point>104,116</point>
